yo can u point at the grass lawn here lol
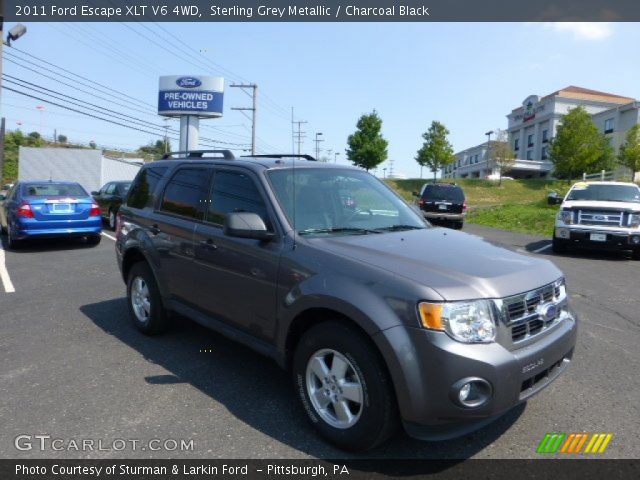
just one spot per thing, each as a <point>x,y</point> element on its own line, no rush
<point>518,205</point>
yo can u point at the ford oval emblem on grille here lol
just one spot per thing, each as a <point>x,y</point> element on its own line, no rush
<point>548,312</point>
<point>600,217</point>
<point>188,82</point>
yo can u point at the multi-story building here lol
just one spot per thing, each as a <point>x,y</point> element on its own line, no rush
<point>532,126</point>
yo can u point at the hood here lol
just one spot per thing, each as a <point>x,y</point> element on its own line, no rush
<point>457,265</point>
<point>594,204</point>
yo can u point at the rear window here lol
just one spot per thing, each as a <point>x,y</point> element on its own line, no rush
<point>441,192</point>
<point>53,190</point>
<point>144,186</point>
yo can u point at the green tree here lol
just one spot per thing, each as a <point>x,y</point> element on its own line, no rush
<point>629,155</point>
<point>501,154</point>
<point>579,146</point>
<point>155,150</point>
<point>367,147</point>
<point>12,143</point>
<point>93,144</point>
<point>62,138</point>
<point>436,151</point>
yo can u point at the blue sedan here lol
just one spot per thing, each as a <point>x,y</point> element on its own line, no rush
<point>46,209</point>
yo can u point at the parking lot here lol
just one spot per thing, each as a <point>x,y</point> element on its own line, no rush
<point>72,366</point>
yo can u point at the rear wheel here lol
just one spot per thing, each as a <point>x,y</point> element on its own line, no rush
<point>12,242</point>
<point>94,239</point>
<point>344,387</point>
<point>458,225</point>
<point>145,303</point>
<point>636,254</point>
<point>112,220</point>
<point>558,245</point>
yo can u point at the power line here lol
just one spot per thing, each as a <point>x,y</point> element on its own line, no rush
<point>254,97</point>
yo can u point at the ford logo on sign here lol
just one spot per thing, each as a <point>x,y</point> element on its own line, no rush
<point>188,82</point>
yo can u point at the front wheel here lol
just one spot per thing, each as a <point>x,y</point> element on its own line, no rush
<point>558,245</point>
<point>144,301</point>
<point>344,387</point>
<point>112,220</point>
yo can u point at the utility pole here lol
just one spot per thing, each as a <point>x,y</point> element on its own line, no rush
<point>166,135</point>
<point>254,97</point>
<point>299,136</point>
<point>318,140</point>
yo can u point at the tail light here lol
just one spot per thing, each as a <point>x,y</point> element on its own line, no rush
<point>464,206</point>
<point>95,210</point>
<point>421,202</point>
<point>24,210</point>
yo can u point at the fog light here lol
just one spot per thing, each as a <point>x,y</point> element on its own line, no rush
<point>471,392</point>
<point>562,233</point>
<point>635,240</point>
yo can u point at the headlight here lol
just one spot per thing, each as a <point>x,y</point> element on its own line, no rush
<point>566,216</point>
<point>634,221</point>
<point>467,322</point>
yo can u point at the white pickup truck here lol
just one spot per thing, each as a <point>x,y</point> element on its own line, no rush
<point>599,215</point>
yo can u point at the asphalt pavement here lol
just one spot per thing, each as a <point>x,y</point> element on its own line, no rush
<point>73,368</point>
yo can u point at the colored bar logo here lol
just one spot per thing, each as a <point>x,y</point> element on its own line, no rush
<point>555,442</point>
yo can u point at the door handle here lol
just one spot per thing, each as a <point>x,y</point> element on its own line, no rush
<point>154,229</point>
<point>208,243</point>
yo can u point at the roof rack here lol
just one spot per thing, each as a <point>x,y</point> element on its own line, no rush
<point>283,155</point>
<point>226,154</point>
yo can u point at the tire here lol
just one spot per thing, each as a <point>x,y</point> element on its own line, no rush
<point>111,219</point>
<point>558,246</point>
<point>458,225</point>
<point>94,240</point>
<point>369,416</point>
<point>12,243</point>
<point>150,320</point>
<point>635,255</point>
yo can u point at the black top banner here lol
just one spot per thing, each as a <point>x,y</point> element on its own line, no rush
<point>321,11</point>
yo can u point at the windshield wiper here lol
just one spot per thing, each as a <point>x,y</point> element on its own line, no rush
<point>362,231</point>
<point>395,228</point>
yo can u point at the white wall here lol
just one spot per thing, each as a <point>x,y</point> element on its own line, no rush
<point>75,165</point>
<point>114,169</point>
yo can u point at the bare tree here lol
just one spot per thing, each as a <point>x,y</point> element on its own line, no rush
<point>501,154</point>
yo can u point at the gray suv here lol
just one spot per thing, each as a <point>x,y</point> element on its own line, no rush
<point>380,318</point>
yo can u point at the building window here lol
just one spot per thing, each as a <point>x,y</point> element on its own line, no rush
<point>529,154</point>
<point>545,136</point>
<point>530,141</point>
<point>516,144</point>
<point>545,153</point>
<point>608,125</point>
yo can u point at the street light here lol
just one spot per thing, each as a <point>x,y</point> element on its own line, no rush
<point>384,170</point>
<point>15,33</point>
<point>335,157</point>
<point>488,134</point>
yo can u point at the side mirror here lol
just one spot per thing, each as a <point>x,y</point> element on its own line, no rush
<point>246,225</point>
<point>95,194</point>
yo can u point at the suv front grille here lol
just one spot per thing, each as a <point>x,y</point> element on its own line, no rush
<point>523,313</point>
<point>603,218</point>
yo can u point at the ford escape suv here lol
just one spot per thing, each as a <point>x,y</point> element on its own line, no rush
<point>381,318</point>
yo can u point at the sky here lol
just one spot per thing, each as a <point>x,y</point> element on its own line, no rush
<point>468,76</point>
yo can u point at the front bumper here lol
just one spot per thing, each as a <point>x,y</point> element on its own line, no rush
<point>614,240</point>
<point>424,365</point>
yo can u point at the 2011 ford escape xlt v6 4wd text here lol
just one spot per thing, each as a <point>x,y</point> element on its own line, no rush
<point>379,317</point>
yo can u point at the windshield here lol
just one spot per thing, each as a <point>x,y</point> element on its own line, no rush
<point>442,192</point>
<point>603,193</point>
<point>53,190</point>
<point>340,202</point>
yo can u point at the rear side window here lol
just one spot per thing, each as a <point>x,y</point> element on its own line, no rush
<point>144,185</point>
<point>235,192</point>
<point>439,192</point>
<point>184,193</point>
<point>53,190</point>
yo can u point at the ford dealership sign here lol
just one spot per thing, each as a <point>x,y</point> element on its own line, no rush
<point>201,96</point>
<point>188,82</point>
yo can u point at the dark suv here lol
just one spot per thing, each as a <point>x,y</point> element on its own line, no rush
<point>379,317</point>
<point>442,202</point>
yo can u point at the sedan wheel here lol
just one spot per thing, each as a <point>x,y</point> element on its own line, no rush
<point>112,220</point>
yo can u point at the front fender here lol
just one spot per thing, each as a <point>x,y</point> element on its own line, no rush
<point>139,241</point>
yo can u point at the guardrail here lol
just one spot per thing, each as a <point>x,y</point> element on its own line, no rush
<point>602,175</point>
